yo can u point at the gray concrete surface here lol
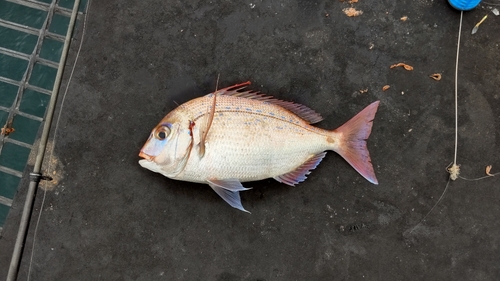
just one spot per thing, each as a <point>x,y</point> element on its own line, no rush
<point>110,219</point>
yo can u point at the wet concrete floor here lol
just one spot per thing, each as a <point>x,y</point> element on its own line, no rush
<point>109,219</point>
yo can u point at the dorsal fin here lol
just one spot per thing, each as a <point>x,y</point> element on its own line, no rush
<point>304,112</point>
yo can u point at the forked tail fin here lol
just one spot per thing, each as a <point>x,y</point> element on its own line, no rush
<point>352,142</point>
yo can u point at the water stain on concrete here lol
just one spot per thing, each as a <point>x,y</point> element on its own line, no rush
<point>51,166</point>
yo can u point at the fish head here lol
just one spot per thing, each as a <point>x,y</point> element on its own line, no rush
<point>168,147</point>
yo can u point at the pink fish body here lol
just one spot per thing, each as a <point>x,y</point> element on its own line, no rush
<point>248,137</point>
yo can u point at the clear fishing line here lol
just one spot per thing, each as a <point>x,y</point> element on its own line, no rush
<point>454,163</point>
<point>453,169</point>
<point>55,137</point>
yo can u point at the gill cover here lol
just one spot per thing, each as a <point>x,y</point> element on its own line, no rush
<point>168,147</point>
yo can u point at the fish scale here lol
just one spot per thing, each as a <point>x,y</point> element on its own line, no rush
<point>252,152</point>
<point>248,136</point>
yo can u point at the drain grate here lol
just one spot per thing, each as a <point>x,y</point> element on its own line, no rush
<point>32,36</point>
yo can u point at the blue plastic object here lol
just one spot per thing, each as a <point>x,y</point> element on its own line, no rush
<point>464,5</point>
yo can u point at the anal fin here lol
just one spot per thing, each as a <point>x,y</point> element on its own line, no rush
<point>300,174</point>
<point>229,190</point>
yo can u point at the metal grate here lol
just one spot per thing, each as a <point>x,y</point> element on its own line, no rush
<point>30,51</point>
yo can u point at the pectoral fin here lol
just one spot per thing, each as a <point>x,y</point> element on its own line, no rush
<point>229,190</point>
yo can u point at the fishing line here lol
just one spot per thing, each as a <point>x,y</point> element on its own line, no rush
<point>480,178</point>
<point>55,135</point>
<point>491,4</point>
<point>454,170</point>
<point>456,129</point>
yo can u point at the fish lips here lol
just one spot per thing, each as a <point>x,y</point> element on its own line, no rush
<point>146,156</point>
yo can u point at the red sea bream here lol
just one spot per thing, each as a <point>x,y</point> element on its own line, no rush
<point>236,135</point>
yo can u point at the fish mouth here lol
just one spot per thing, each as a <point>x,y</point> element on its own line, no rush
<point>145,156</point>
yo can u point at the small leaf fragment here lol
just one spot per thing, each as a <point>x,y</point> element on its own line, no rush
<point>436,76</point>
<point>351,12</point>
<point>7,129</point>
<point>488,170</point>
<point>406,66</point>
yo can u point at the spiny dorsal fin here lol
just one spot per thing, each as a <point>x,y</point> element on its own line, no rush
<point>304,112</point>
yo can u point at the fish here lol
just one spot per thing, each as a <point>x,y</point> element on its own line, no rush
<point>235,135</point>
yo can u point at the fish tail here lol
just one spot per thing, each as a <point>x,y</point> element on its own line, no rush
<point>352,138</point>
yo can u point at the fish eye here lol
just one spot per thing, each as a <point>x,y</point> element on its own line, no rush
<point>162,133</point>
